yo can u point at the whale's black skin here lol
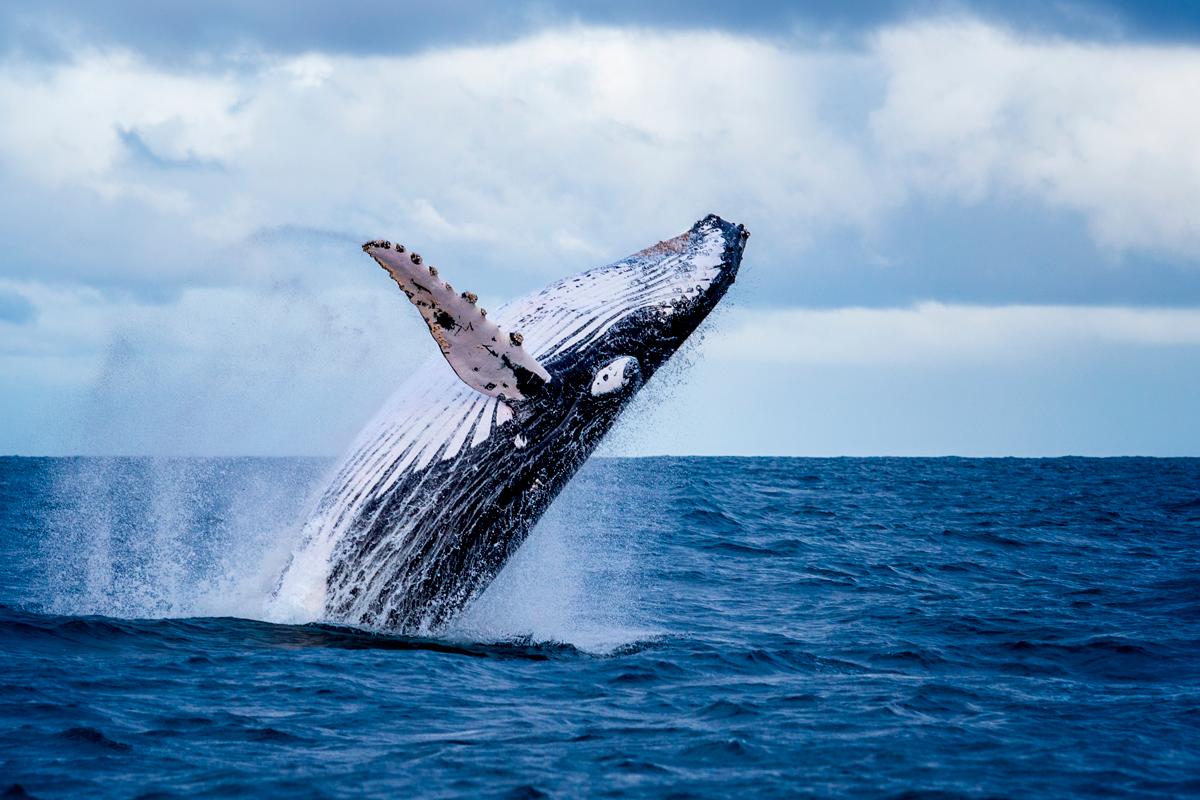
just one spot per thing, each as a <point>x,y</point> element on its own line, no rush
<point>461,519</point>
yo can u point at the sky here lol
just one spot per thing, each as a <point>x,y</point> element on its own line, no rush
<point>975,225</point>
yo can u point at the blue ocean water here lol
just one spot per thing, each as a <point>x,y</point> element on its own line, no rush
<point>675,627</point>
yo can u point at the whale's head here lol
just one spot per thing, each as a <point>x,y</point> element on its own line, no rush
<point>583,345</point>
<point>602,333</point>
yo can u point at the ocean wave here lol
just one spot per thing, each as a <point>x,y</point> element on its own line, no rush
<point>839,627</point>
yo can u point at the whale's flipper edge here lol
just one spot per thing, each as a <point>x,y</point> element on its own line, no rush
<point>486,357</point>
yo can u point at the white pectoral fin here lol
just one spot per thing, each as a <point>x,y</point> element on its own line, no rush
<point>486,357</point>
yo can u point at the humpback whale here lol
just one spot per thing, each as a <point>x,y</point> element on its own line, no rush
<point>449,478</point>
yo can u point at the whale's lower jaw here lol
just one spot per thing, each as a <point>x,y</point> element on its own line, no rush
<point>447,483</point>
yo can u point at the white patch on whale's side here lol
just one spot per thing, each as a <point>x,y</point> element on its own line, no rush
<point>614,376</point>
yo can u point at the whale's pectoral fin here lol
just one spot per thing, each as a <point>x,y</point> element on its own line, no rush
<point>487,358</point>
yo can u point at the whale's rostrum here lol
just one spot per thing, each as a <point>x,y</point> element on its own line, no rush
<point>451,475</point>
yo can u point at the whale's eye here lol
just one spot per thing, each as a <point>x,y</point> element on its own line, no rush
<point>616,375</point>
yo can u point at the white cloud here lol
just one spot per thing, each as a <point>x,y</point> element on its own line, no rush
<point>65,123</point>
<point>536,155</point>
<point>539,153</point>
<point>1108,131</point>
<point>938,334</point>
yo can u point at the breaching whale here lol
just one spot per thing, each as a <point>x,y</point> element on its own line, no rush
<point>449,478</point>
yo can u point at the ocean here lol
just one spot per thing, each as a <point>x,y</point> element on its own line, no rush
<point>675,627</point>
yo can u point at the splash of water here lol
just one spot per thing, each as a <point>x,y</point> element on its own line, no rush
<point>158,537</point>
<point>570,582</point>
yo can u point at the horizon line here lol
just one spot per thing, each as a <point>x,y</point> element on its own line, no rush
<point>311,457</point>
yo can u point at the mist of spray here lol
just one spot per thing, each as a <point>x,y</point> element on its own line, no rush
<point>158,537</point>
<point>162,536</point>
<point>178,537</point>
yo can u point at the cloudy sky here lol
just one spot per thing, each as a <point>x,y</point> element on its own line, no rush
<point>976,227</point>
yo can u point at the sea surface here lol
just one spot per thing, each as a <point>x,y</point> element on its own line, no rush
<point>695,627</point>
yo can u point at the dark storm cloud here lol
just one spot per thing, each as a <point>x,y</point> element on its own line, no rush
<point>188,32</point>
